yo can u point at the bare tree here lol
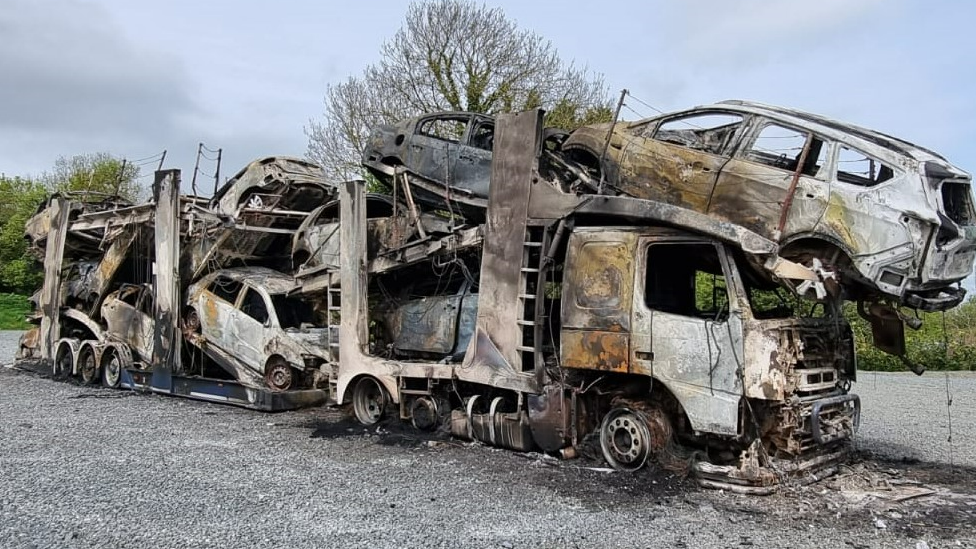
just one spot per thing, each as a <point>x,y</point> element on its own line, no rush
<point>453,55</point>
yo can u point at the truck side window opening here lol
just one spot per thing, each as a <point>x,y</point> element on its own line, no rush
<point>254,306</point>
<point>686,279</point>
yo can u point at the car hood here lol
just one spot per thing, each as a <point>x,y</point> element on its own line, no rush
<point>315,340</point>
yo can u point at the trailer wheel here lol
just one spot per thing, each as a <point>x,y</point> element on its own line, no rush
<point>369,401</point>
<point>87,367</point>
<point>64,361</point>
<point>625,439</point>
<point>111,368</point>
<point>278,375</point>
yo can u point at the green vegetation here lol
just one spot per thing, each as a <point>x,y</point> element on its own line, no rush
<point>955,350</point>
<point>99,173</point>
<point>13,309</point>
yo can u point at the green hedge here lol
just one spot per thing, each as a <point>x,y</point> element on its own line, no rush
<point>13,309</point>
<point>951,349</point>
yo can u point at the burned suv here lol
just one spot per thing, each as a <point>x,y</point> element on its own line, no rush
<point>896,220</point>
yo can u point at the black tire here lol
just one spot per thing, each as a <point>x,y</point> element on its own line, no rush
<point>369,400</point>
<point>279,375</point>
<point>87,365</point>
<point>64,361</point>
<point>111,367</point>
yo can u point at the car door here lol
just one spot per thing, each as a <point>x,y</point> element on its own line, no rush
<point>473,169</point>
<point>217,311</point>
<point>434,147</point>
<point>754,188</point>
<point>678,159</point>
<point>252,327</point>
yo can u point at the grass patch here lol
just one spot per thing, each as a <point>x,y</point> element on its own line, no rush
<point>13,309</point>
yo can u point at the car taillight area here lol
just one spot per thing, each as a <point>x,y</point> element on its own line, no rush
<point>957,201</point>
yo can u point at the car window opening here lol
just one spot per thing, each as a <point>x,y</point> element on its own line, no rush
<point>781,147</point>
<point>445,129</point>
<point>225,289</point>
<point>857,168</point>
<point>292,312</point>
<point>710,132</point>
<point>483,137</point>
<point>254,306</point>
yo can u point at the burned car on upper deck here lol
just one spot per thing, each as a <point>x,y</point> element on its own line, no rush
<point>259,210</point>
<point>449,152</point>
<point>896,220</point>
<point>247,320</point>
<point>447,156</point>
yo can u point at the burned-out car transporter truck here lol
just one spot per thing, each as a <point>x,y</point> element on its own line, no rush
<point>563,322</point>
<point>639,327</point>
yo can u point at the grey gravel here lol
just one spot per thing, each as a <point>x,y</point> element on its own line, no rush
<point>90,467</point>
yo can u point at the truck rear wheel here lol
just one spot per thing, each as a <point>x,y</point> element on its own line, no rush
<point>111,368</point>
<point>87,367</point>
<point>64,360</point>
<point>369,400</point>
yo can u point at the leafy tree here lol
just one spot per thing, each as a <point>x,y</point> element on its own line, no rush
<point>97,173</point>
<point>19,199</point>
<point>453,55</point>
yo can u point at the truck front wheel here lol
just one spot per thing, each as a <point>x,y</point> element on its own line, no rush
<point>369,400</point>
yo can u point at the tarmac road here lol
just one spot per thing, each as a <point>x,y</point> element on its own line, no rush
<point>90,467</point>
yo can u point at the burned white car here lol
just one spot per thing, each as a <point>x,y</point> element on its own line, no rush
<point>246,321</point>
<point>896,220</point>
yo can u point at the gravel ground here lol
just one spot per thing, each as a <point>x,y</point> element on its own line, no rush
<point>89,467</point>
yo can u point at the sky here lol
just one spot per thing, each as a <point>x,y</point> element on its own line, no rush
<point>133,78</point>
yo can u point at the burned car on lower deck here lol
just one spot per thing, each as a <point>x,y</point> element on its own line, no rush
<point>246,319</point>
<point>895,219</point>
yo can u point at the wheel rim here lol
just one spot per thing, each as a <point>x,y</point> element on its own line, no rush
<point>625,439</point>
<point>369,400</point>
<point>86,366</point>
<point>279,376</point>
<point>112,371</point>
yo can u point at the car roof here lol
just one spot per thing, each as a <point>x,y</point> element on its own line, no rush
<point>229,184</point>
<point>825,125</point>
<point>274,282</point>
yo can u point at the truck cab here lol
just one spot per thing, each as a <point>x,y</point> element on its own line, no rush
<point>686,312</point>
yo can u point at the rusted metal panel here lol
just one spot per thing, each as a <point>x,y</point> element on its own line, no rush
<point>596,350</point>
<point>516,145</point>
<point>50,297</point>
<point>600,280</point>
<point>167,339</point>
